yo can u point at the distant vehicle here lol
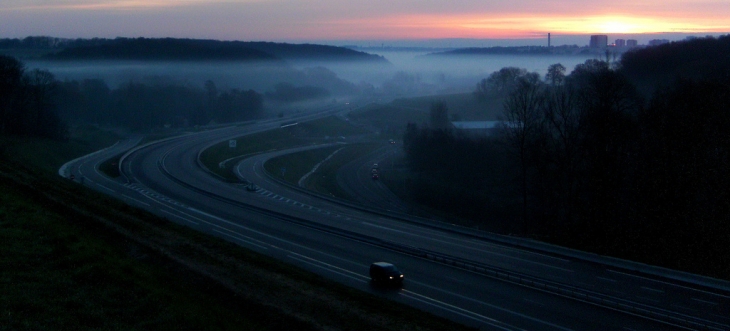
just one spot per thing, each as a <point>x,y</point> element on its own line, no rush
<point>385,273</point>
<point>391,141</point>
<point>375,176</point>
<point>251,187</point>
<point>375,166</point>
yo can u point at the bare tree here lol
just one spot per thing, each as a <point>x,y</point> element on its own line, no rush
<point>522,114</point>
<point>499,83</point>
<point>555,74</point>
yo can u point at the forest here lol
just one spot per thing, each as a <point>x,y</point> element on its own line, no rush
<point>179,49</point>
<point>629,159</point>
<point>35,103</point>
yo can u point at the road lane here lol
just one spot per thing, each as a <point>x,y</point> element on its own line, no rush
<point>168,177</point>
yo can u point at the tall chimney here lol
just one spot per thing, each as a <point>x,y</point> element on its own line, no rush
<point>548,39</point>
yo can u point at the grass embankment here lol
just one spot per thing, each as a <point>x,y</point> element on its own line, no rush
<point>323,180</point>
<point>73,259</point>
<point>321,131</point>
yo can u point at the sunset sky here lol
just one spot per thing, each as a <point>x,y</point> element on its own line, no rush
<point>307,20</point>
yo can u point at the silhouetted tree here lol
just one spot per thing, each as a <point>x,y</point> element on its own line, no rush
<point>555,74</point>
<point>439,116</point>
<point>26,103</point>
<point>11,74</point>
<point>522,114</point>
<point>501,83</point>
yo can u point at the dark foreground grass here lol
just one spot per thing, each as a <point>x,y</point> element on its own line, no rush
<point>61,270</point>
<point>71,259</point>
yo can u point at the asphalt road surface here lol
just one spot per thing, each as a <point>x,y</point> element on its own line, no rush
<point>478,279</point>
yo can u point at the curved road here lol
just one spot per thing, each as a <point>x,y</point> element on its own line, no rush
<point>479,280</point>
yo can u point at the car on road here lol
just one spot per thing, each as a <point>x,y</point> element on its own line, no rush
<point>385,273</point>
<point>251,187</point>
<point>375,175</point>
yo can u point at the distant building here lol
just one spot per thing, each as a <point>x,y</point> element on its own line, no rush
<point>599,41</point>
<point>657,42</point>
<point>620,43</point>
<point>632,43</point>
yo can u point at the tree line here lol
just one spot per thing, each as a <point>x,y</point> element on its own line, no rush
<point>35,103</point>
<point>183,49</point>
<point>144,106</point>
<point>592,162</point>
<point>26,107</point>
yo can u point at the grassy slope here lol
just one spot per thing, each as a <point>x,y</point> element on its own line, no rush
<point>323,180</point>
<point>72,259</point>
<point>315,132</point>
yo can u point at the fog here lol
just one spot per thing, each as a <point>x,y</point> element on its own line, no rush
<point>441,74</point>
<point>429,74</point>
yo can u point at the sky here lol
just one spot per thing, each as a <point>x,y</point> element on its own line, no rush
<point>353,21</point>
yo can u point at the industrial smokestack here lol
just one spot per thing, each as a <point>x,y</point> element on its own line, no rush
<point>548,39</point>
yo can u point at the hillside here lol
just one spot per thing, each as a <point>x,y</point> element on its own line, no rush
<point>172,49</point>
<point>72,259</point>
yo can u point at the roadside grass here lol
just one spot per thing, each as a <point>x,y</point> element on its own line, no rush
<point>110,167</point>
<point>74,259</point>
<point>220,158</point>
<point>63,271</point>
<point>292,167</point>
<point>323,180</point>
<point>48,156</point>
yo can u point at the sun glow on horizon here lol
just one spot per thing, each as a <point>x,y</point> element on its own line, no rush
<point>518,26</point>
<point>328,19</point>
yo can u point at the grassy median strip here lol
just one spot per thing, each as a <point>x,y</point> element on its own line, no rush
<point>73,259</point>
<point>323,180</point>
<point>220,158</point>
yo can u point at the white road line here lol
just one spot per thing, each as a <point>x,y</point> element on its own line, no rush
<point>106,188</point>
<point>585,285</point>
<point>457,310</point>
<point>497,307</point>
<point>652,289</point>
<point>139,201</point>
<point>483,243</point>
<point>238,237</point>
<point>705,301</point>
<point>327,266</point>
<point>178,216</point>
<point>254,231</point>
<point>674,285</point>
<point>467,247</point>
<point>432,234</point>
<point>648,299</point>
<point>607,279</point>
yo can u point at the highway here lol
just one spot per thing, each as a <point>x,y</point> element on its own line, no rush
<point>481,280</point>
